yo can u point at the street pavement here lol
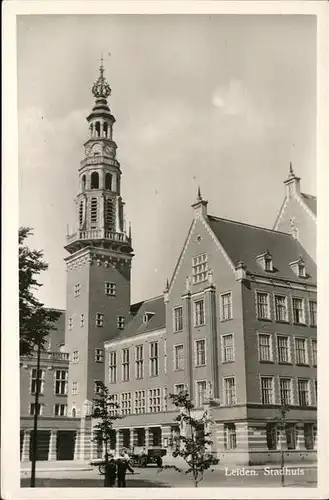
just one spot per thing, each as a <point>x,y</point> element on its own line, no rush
<point>82,475</point>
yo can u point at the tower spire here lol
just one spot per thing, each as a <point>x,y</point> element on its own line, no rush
<point>291,172</point>
<point>101,88</point>
<point>199,197</point>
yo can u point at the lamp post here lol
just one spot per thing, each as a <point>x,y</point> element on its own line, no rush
<point>283,411</point>
<point>37,347</point>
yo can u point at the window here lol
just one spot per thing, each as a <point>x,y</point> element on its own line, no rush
<point>154,400</point>
<point>199,268</point>
<point>179,357</point>
<point>99,355</point>
<point>93,210</point>
<point>120,322</point>
<point>61,382</point>
<point>99,319</point>
<point>32,409</point>
<point>229,391</point>
<point>291,436</point>
<point>298,310</point>
<point>263,310</point>
<point>301,270</point>
<point>112,367</point>
<point>114,406</point>
<point>179,388</point>
<point>34,381</point>
<point>60,410</point>
<point>300,347</point>
<point>200,352</point>
<point>229,436</point>
<point>75,357</point>
<point>94,178</point>
<point>268,263</point>
<point>226,306</point>
<point>265,347</point>
<point>70,323</point>
<point>140,402</point>
<point>314,352</point>
<point>303,392</point>
<point>74,388</point>
<point>154,359</point>
<point>110,288</point>
<point>199,318</point>
<point>281,313</point>
<point>108,181</point>
<point>178,319</point>
<point>77,289</point>
<point>316,391</point>
<point>309,436</point>
<point>81,212</point>
<point>165,399</point>
<point>283,349</point>
<point>98,387</point>
<point>82,320</point>
<point>267,390</point>
<point>271,436</point>
<point>201,388</point>
<point>227,348</point>
<point>110,213</point>
<point>126,403</point>
<point>125,365</point>
<point>313,312</point>
<point>285,391</point>
<point>139,361</point>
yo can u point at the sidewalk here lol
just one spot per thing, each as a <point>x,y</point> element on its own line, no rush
<point>57,465</point>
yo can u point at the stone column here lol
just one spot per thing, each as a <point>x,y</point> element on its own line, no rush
<point>282,440</point>
<point>147,437</point>
<point>118,440</point>
<point>241,429</point>
<point>133,438</point>
<point>52,453</point>
<point>300,438</point>
<point>26,446</point>
<point>77,446</point>
<point>220,439</point>
<point>165,435</point>
<point>85,439</point>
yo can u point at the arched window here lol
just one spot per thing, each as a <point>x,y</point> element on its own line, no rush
<point>108,181</point>
<point>93,211</point>
<point>109,213</point>
<point>105,129</point>
<point>91,129</point>
<point>83,182</point>
<point>98,129</point>
<point>81,206</point>
<point>74,412</point>
<point>94,180</point>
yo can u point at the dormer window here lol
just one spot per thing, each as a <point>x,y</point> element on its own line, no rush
<point>266,261</point>
<point>299,268</point>
<point>147,316</point>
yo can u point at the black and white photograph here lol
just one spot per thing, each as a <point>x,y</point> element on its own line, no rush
<point>165,328</point>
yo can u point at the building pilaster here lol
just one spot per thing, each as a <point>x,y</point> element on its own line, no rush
<point>52,452</point>
<point>189,347</point>
<point>133,438</point>
<point>300,438</point>
<point>147,437</point>
<point>212,347</point>
<point>26,446</point>
<point>118,441</point>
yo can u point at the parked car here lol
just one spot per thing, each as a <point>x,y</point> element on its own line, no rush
<point>141,456</point>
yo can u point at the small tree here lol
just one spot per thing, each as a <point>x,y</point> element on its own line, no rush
<point>35,321</point>
<point>192,445</point>
<point>282,426</point>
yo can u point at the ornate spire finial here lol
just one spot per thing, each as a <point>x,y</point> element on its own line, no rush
<point>291,172</point>
<point>101,88</point>
<point>199,194</point>
<point>129,234</point>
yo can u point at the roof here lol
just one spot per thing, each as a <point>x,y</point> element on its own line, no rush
<point>243,242</point>
<point>136,325</point>
<point>310,202</point>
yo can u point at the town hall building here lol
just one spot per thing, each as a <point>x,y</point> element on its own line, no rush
<point>235,326</point>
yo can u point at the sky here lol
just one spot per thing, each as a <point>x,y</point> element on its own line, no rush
<point>220,101</point>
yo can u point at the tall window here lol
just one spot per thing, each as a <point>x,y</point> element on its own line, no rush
<point>60,410</point>
<point>82,320</point>
<point>61,382</point>
<point>263,309</point>
<point>120,322</point>
<point>77,289</point>
<point>228,347</point>
<point>110,288</point>
<point>108,181</point>
<point>32,409</point>
<point>114,406</point>
<point>229,391</point>
<point>81,211</point>
<point>140,402</point>
<point>93,210</point>
<point>265,347</point>
<point>303,392</point>
<point>179,357</point>
<point>154,400</point>
<point>201,388</point>
<point>199,317</point>
<point>110,212</point>
<point>226,306</point>
<point>300,346</point>
<point>99,319</point>
<point>298,310</point>
<point>301,270</point>
<point>154,359</point>
<point>200,352</point>
<point>281,308</point>
<point>74,388</point>
<point>283,349</point>
<point>267,390</point>
<point>139,361</point>
<point>125,365</point>
<point>112,367</point>
<point>309,436</point>
<point>313,312</point>
<point>271,436</point>
<point>126,403</point>
<point>229,436</point>
<point>70,323</point>
<point>268,263</point>
<point>285,391</point>
<point>98,387</point>
<point>314,352</point>
<point>75,356</point>
<point>34,381</point>
<point>99,355</point>
<point>199,268</point>
<point>94,180</point>
<point>178,319</point>
<point>291,436</point>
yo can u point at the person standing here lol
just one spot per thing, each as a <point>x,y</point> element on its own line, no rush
<point>110,472</point>
<point>122,467</point>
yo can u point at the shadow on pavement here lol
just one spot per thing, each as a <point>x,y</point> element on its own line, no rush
<point>89,483</point>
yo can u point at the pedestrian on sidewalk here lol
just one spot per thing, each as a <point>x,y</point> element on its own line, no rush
<point>122,467</point>
<point>110,472</point>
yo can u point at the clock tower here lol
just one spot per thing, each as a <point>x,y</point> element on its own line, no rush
<point>99,261</point>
